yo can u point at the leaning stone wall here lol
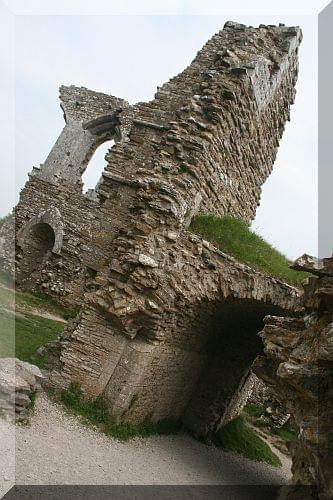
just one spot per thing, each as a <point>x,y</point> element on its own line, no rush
<point>206,142</point>
<point>211,134</point>
<point>87,227</point>
<point>147,343</point>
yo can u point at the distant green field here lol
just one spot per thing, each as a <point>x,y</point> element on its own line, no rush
<point>234,237</point>
<point>23,331</point>
<point>26,334</point>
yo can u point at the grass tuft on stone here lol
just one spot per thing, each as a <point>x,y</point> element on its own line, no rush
<point>237,436</point>
<point>234,237</point>
<point>96,412</point>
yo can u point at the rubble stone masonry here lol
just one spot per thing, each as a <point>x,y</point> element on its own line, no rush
<point>298,365</point>
<point>167,323</point>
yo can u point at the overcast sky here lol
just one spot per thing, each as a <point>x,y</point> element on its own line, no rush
<point>129,56</point>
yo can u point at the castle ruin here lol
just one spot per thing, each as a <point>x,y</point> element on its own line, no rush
<point>167,323</point>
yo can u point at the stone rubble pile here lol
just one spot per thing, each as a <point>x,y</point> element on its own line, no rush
<point>19,381</point>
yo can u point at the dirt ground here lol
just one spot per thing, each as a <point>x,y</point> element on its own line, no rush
<point>56,448</point>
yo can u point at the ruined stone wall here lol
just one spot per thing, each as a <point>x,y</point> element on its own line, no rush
<point>212,132</point>
<point>206,142</point>
<point>148,342</point>
<point>298,364</point>
<point>66,272</point>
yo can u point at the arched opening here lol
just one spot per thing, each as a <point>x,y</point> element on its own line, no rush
<point>36,247</point>
<point>231,346</point>
<point>42,237</point>
<point>200,372</point>
<point>95,167</point>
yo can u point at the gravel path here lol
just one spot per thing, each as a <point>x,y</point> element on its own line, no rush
<point>57,449</point>
<point>7,456</point>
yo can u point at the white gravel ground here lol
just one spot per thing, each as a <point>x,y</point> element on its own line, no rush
<point>56,448</point>
<point>7,456</point>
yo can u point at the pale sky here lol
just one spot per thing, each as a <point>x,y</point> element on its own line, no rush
<point>129,56</point>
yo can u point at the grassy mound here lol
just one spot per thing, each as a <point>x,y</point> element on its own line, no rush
<point>256,417</point>
<point>40,302</point>
<point>237,436</point>
<point>253,410</point>
<point>32,302</point>
<point>234,237</point>
<point>95,411</point>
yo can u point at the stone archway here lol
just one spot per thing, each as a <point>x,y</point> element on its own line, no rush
<point>37,241</point>
<point>230,343</point>
<point>199,373</point>
<point>37,247</point>
<point>174,344</point>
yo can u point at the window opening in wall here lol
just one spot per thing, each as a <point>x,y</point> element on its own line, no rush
<point>96,166</point>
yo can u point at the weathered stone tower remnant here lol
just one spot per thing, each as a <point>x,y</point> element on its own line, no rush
<point>167,324</point>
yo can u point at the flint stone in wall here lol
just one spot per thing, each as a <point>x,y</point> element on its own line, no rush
<point>145,260</point>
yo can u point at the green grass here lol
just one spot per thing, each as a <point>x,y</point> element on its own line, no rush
<point>7,298</point>
<point>96,411</point>
<point>6,278</point>
<point>43,303</point>
<point>30,333</point>
<point>286,433</point>
<point>254,414</point>
<point>234,237</point>
<point>7,334</point>
<point>238,436</point>
<point>33,302</point>
<point>253,410</point>
<point>23,331</point>
<point>32,404</point>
